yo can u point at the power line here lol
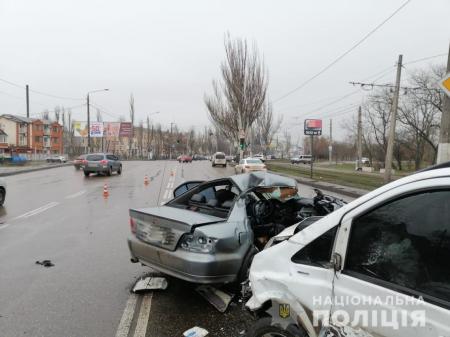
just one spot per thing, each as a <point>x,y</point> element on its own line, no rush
<point>426,58</point>
<point>344,54</point>
<point>39,92</point>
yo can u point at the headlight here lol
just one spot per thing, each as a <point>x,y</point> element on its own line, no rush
<point>198,243</point>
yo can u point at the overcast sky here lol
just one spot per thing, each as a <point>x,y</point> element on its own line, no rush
<point>167,52</point>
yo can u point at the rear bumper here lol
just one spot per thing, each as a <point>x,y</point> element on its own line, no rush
<point>102,169</point>
<point>188,266</point>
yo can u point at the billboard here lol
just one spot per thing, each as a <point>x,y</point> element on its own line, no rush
<point>111,129</point>
<point>125,129</point>
<point>80,129</point>
<point>96,129</point>
<point>313,127</point>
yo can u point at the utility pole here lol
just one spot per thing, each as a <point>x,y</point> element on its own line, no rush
<point>312,157</point>
<point>171,141</point>
<point>28,100</point>
<point>444,137</point>
<point>330,146</point>
<point>391,140</point>
<point>359,147</point>
<point>88,124</point>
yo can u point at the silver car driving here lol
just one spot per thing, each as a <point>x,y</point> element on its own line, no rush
<point>101,163</point>
<point>211,230</point>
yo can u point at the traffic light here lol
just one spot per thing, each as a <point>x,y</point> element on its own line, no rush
<point>242,143</point>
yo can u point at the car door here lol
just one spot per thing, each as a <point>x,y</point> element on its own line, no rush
<point>395,279</point>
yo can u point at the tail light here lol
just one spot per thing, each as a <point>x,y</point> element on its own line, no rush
<point>103,162</point>
<point>84,161</point>
<point>133,226</point>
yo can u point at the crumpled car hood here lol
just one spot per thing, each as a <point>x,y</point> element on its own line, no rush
<point>262,179</point>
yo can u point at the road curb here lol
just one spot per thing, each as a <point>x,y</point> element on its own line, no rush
<point>332,188</point>
<point>6,174</point>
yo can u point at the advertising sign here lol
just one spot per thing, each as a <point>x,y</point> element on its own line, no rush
<point>125,129</point>
<point>80,129</point>
<point>313,127</point>
<point>111,129</point>
<point>96,129</point>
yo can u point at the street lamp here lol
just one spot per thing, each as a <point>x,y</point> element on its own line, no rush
<point>89,116</point>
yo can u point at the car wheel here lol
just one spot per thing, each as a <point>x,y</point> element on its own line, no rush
<point>77,167</point>
<point>264,328</point>
<point>109,172</point>
<point>225,165</point>
<point>119,171</point>
<point>2,196</point>
<point>86,174</point>
<point>213,165</point>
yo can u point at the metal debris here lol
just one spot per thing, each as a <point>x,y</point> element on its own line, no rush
<point>45,263</point>
<point>195,332</point>
<point>150,283</point>
<point>219,299</point>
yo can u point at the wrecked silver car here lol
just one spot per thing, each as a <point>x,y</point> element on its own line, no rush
<point>211,230</point>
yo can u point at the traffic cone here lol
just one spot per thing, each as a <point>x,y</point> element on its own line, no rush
<point>146,181</point>
<point>105,191</point>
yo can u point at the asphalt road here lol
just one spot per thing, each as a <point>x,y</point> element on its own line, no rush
<point>62,216</point>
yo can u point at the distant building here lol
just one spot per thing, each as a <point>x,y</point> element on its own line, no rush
<point>21,135</point>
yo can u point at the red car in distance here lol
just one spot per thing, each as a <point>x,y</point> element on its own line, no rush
<point>185,158</point>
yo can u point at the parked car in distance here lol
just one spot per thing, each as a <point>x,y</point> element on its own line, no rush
<point>101,163</point>
<point>229,159</point>
<point>210,231</point>
<point>56,159</point>
<point>390,247</point>
<point>248,165</point>
<point>302,159</point>
<point>2,192</point>
<point>219,158</point>
<point>78,162</point>
<point>260,157</point>
<point>185,158</point>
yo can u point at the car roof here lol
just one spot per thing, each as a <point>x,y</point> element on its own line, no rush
<point>261,179</point>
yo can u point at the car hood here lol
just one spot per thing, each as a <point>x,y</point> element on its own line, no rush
<point>261,179</point>
<point>184,216</point>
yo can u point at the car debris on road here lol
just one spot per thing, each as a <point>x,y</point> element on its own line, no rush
<point>45,263</point>
<point>195,332</point>
<point>150,283</point>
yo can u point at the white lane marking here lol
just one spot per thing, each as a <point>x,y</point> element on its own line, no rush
<point>165,194</point>
<point>127,317</point>
<point>170,194</point>
<point>4,226</point>
<point>37,210</point>
<point>78,194</point>
<point>144,314</point>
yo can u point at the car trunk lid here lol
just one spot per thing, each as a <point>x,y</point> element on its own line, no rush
<point>164,226</point>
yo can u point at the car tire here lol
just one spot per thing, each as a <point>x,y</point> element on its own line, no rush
<point>213,165</point>
<point>86,174</point>
<point>77,167</point>
<point>2,196</point>
<point>109,172</point>
<point>119,171</point>
<point>225,165</point>
<point>264,327</point>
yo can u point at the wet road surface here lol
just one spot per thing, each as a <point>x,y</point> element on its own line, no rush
<point>60,215</point>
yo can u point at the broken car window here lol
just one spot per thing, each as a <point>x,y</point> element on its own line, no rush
<point>407,243</point>
<point>318,252</point>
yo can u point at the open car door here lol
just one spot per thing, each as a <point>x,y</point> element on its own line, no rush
<point>186,186</point>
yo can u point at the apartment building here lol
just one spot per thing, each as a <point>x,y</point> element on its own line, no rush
<point>21,135</point>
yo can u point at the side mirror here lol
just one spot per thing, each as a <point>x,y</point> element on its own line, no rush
<point>336,261</point>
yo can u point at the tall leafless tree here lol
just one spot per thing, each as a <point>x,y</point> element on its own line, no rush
<point>130,141</point>
<point>240,93</point>
<point>267,127</point>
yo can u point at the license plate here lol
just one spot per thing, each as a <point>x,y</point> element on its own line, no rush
<point>92,165</point>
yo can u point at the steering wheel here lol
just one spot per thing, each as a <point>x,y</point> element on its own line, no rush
<point>263,209</point>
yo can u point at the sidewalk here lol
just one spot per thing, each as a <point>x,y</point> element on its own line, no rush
<point>13,170</point>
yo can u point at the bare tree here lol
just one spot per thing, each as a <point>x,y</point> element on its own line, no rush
<point>130,143</point>
<point>240,94</point>
<point>45,114</point>
<point>287,142</point>
<point>267,127</point>
<point>57,112</point>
